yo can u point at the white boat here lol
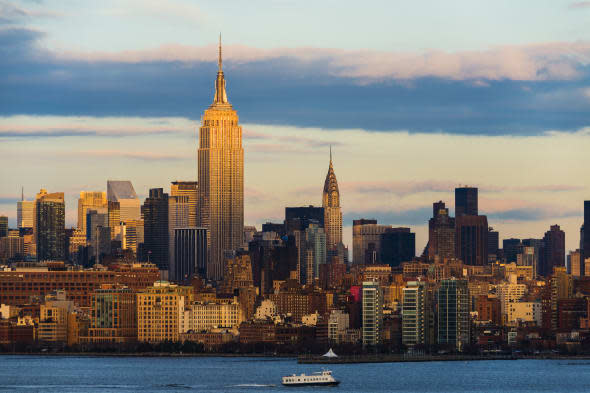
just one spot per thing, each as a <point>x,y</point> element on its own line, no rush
<point>323,378</point>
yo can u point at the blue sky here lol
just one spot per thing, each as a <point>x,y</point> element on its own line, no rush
<point>416,98</point>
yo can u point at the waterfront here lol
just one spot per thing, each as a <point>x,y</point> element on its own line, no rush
<point>216,374</point>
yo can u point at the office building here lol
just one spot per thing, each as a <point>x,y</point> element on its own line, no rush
<point>441,233</point>
<point>554,243</point>
<point>372,313</point>
<point>202,316</point>
<point>366,241</point>
<point>416,314</point>
<point>471,240</point>
<point>511,249</point>
<point>50,226</point>
<point>189,189</point>
<point>453,321</point>
<point>25,214</point>
<point>3,226</point>
<point>493,244</point>
<point>160,311</point>
<point>221,177</point>
<point>397,245</point>
<point>466,201</point>
<point>574,263</point>
<point>114,214</point>
<point>190,253</point>
<point>178,217</point>
<point>332,212</point>
<point>299,218</point>
<point>155,226</point>
<point>315,252</point>
<point>528,257</point>
<point>95,200</point>
<point>113,317</point>
<point>129,205</point>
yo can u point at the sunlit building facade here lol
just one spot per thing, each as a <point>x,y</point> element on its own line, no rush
<point>221,177</point>
<point>95,200</point>
<point>332,212</point>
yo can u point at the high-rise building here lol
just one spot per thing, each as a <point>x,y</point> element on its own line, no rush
<point>511,248</point>
<point>96,200</point>
<point>221,177</point>
<point>156,231</point>
<point>493,244</point>
<point>574,260</point>
<point>98,233</point>
<point>539,247</point>
<point>441,233</point>
<point>25,214</point>
<point>3,226</point>
<point>332,213</point>
<point>471,241</point>
<point>397,245</point>
<point>189,189</point>
<point>416,314</point>
<point>129,205</point>
<point>298,218</point>
<point>372,313</point>
<point>554,242</point>
<point>453,313</point>
<point>315,252</point>
<point>585,247</point>
<point>466,201</point>
<point>114,212</point>
<point>178,217</point>
<point>50,226</point>
<point>114,315</point>
<point>366,241</point>
<point>528,257</point>
<point>190,253</point>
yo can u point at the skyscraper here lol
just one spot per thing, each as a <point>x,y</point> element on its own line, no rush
<point>3,226</point>
<point>586,234</point>
<point>466,201</point>
<point>156,231</point>
<point>397,245</point>
<point>50,225</point>
<point>190,253</point>
<point>511,248</point>
<point>453,313</point>
<point>178,217</point>
<point>554,242</point>
<point>366,241</point>
<point>189,189</point>
<point>331,205</point>
<point>493,243</point>
<point>96,200</point>
<point>441,232</point>
<point>25,213</point>
<point>416,314</point>
<point>299,218</point>
<point>471,241</point>
<point>372,313</point>
<point>221,177</point>
<point>129,205</point>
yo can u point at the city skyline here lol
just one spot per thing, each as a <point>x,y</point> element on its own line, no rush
<point>529,168</point>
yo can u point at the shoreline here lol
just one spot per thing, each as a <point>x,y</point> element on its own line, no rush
<point>307,359</point>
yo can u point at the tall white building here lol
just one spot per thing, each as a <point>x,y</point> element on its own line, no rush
<point>372,313</point>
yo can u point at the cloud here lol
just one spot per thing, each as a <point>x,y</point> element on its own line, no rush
<point>579,4</point>
<point>134,155</point>
<point>306,87</point>
<point>11,13</point>
<point>543,61</point>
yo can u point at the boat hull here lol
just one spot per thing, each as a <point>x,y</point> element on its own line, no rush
<point>331,383</point>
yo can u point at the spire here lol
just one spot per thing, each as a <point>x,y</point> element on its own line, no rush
<point>330,186</point>
<point>220,93</point>
<point>219,62</point>
<point>22,193</point>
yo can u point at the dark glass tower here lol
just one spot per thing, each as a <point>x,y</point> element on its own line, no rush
<point>471,239</point>
<point>190,253</point>
<point>397,245</point>
<point>50,226</point>
<point>156,237</point>
<point>554,242</point>
<point>466,201</point>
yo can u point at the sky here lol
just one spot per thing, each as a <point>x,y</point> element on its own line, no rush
<point>415,98</point>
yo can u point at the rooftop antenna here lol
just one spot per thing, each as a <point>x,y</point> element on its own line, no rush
<point>22,193</point>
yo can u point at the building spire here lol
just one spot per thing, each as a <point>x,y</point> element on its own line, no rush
<point>22,193</point>
<point>330,154</point>
<point>220,93</point>
<point>219,61</point>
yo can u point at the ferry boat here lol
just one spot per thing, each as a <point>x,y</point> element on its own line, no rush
<point>323,378</point>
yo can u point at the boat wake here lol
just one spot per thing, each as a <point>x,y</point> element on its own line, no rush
<point>252,385</point>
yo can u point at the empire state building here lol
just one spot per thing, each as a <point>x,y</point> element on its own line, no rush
<point>221,177</point>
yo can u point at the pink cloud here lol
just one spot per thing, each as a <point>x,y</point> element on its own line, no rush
<point>544,61</point>
<point>579,4</point>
